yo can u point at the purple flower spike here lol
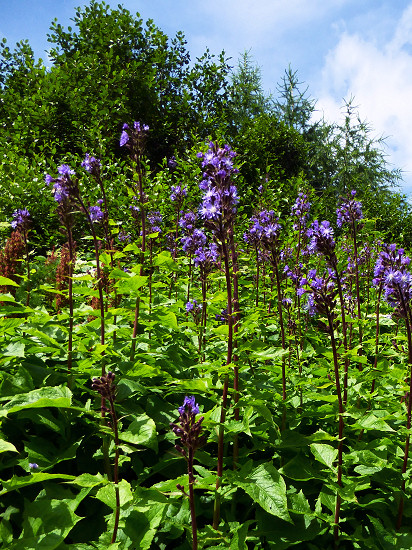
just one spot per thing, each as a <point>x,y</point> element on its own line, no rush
<point>21,219</point>
<point>65,170</point>
<point>91,165</point>
<point>189,406</point>
<point>349,212</point>
<point>95,214</point>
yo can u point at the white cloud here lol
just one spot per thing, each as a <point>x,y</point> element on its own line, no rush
<point>379,77</point>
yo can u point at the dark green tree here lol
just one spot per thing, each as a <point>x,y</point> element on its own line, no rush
<point>247,100</point>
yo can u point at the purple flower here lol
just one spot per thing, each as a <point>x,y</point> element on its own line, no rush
<point>349,212</point>
<point>124,138</point>
<point>95,214</point>
<point>193,242</point>
<point>300,211</point>
<point>171,163</point>
<point>155,219</point>
<point>33,465</point>
<point>206,257</point>
<point>21,219</point>
<point>65,170</point>
<point>391,271</point>
<point>64,187</point>
<point>122,236</point>
<point>195,309</point>
<point>189,406</point>
<point>131,136</point>
<point>91,165</point>
<point>321,239</point>
<point>220,197</point>
<point>178,193</point>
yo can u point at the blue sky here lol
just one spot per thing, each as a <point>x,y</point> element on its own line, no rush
<point>340,49</point>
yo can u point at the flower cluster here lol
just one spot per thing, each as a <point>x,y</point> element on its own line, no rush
<point>188,429</point>
<point>392,272</point>
<point>220,195</point>
<point>21,219</point>
<point>122,236</point>
<point>193,242</point>
<point>322,240</point>
<point>92,165</point>
<point>222,317</point>
<point>155,219</point>
<point>300,211</point>
<point>264,228</point>
<point>195,309</point>
<point>349,211</point>
<point>178,193</point>
<point>96,214</point>
<point>105,386</point>
<point>65,188</point>
<point>134,138</point>
<point>171,163</point>
<point>206,257</point>
<point>320,293</point>
<point>130,137</point>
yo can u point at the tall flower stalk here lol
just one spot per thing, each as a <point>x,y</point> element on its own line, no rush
<point>218,209</point>
<point>393,275</point>
<point>189,430</point>
<point>65,191</point>
<point>350,213</point>
<point>21,222</point>
<point>321,292</point>
<point>133,139</point>
<point>104,385</point>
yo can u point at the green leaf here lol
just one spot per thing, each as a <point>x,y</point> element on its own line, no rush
<point>17,482</point>
<point>168,320</point>
<point>58,396</point>
<point>6,446</point>
<point>372,422</point>
<point>142,431</point>
<point>130,285</point>
<point>267,488</point>
<point>4,281</point>
<point>326,454</point>
<point>107,494</point>
<point>88,480</point>
<point>15,349</point>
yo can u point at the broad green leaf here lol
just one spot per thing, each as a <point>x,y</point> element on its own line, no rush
<point>131,285</point>
<point>168,320</point>
<point>7,298</point>
<point>142,431</point>
<point>17,482</point>
<point>89,480</point>
<point>267,488</point>
<point>107,494</point>
<point>15,349</point>
<point>6,446</point>
<point>372,422</point>
<point>326,454</point>
<point>301,468</point>
<point>5,281</point>
<point>48,521</point>
<point>56,396</point>
<point>142,523</point>
<point>165,259</point>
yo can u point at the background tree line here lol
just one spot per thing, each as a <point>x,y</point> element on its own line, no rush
<point>110,67</point>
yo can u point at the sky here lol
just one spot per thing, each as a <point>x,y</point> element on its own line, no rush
<point>341,49</point>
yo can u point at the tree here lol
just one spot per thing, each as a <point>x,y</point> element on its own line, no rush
<point>247,100</point>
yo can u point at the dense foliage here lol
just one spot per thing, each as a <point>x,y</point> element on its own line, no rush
<point>206,343</point>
